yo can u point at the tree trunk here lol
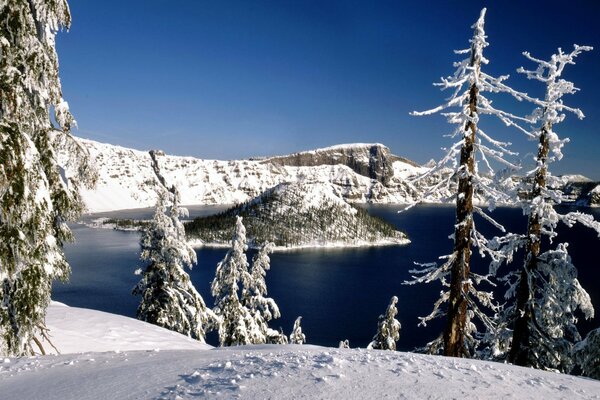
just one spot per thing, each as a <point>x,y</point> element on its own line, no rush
<point>454,335</point>
<point>520,351</point>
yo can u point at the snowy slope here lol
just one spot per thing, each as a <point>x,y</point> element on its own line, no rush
<point>126,178</point>
<point>184,369</point>
<point>75,330</point>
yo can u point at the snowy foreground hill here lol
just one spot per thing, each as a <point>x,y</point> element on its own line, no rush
<point>108,357</point>
<point>360,173</point>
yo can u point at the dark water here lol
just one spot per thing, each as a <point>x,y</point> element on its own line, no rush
<point>339,292</point>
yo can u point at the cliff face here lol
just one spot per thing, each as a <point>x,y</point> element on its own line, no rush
<point>370,160</point>
<point>126,178</point>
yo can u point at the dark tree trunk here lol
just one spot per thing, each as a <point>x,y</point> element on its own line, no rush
<point>454,335</point>
<point>520,351</point>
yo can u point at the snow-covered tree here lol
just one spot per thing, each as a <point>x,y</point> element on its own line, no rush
<point>461,176</point>
<point>262,308</point>
<point>169,298</point>
<point>388,329</point>
<point>546,292</point>
<point>297,337</point>
<point>344,344</point>
<point>238,326</point>
<point>586,355</point>
<point>38,192</point>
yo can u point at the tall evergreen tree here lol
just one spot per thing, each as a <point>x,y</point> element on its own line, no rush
<point>238,326</point>
<point>262,308</point>
<point>469,84</point>
<point>38,194</point>
<point>169,298</point>
<point>388,329</point>
<point>546,291</point>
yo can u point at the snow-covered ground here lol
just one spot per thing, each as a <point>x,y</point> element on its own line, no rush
<point>156,364</point>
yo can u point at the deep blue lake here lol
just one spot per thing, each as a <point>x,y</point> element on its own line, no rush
<point>338,292</point>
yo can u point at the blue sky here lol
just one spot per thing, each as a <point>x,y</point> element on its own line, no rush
<point>234,79</point>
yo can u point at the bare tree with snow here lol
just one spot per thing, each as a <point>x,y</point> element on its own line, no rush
<point>546,292</point>
<point>388,329</point>
<point>38,192</point>
<point>297,337</point>
<point>469,85</point>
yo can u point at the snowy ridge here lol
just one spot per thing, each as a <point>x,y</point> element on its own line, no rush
<point>126,179</point>
<point>298,215</point>
<point>265,372</point>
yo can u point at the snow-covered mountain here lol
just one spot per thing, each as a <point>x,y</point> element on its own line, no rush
<point>148,362</point>
<point>298,214</point>
<point>360,172</point>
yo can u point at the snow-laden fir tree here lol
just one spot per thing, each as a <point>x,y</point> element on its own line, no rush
<point>169,298</point>
<point>261,308</point>
<point>545,293</point>
<point>38,193</point>
<point>586,355</point>
<point>388,329</point>
<point>297,337</point>
<point>238,326</point>
<point>469,85</point>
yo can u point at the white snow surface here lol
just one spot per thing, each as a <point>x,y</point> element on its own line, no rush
<point>126,179</point>
<point>90,369</point>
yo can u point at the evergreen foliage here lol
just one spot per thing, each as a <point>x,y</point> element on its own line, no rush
<point>297,337</point>
<point>169,298</point>
<point>281,215</point>
<point>388,329</point>
<point>262,308</point>
<point>586,355</point>
<point>38,192</point>
<point>238,325</point>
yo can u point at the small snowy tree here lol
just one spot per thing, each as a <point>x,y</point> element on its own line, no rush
<point>388,329</point>
<point>297,337</point>
<point>546,291</point>
<point>38,192</point>
<point>262,308</point>
<point>344,344</point>
<point>169,298</point>
<point>238,326</point>
<point>586,355</point>
<point>469,84</point>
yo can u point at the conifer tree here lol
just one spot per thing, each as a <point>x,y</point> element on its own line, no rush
<point>469,85</point>
<point>238,326</point>
<point>38,194</point>
<point>388,329</point>
<point>546,292</point>
<point>586,355</point>
<point>169,298</point>
<point>297,337</point>
<point>261,308</point>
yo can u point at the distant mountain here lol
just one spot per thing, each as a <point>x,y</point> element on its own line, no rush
<point>360,173</point>
<point>298,214</point>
